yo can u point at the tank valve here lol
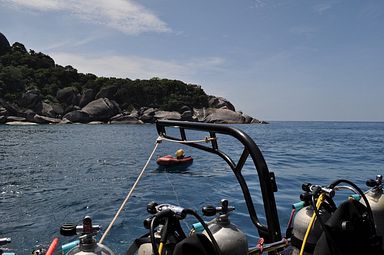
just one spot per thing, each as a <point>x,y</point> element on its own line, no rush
<point>87,228</point>
<point>87,242</point>
<point>230,239</point>
<point>210,210</point>
<point>375,183</point>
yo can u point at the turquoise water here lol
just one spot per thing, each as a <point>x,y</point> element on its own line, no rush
<point>51,175</point>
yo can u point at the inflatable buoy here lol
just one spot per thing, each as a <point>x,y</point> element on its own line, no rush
<point>170,161</point>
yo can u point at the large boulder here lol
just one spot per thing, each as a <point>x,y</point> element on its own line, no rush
<point>32,100</point>
<point>107,92</point>
<point>28,114</point>
<point>77,116</point>
<point>48,110</point>
<point>68,96</point>
<point>19,47</point>
<point>224,116</point>
<point>247,119</point>
<point>45,120</point>
<point>87,96</point>
<point>10,108</point>
<point>101,109</point>
<point>185,108</point>
<point>166,115</point>
<point>54,110</point>
<point>186,113</point>
<point>220,102</point>
<point>71,108</point>
<point>147,115</point>
<point>187,116</point>
<point>125,119</point>
<point>134,113</point>
<point>58,108</point>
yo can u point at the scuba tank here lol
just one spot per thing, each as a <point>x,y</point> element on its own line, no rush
<point>87,244</point>
<point>302,219</point>
<point>98,249</point>
<point>166,236</point>
<point>375,199</point>
<point>230,239</point>
<point>165,231</point>
<point>300,225</point>
<point>145,249</point>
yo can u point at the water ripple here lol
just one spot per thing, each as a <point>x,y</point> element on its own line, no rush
<point>56,174</point>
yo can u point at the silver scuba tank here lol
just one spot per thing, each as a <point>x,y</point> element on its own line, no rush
<point>375,199</point>
<point>230,239</point>
<point>300,226</point>
<point>95,249</point>
<point>145,249</point>
<point>86,244</point>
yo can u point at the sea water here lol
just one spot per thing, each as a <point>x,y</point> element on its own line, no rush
<point>55,174</point>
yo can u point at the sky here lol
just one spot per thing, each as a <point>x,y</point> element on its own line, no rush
<point>299,60</point>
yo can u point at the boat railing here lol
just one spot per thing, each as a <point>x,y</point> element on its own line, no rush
<point>271,231</point>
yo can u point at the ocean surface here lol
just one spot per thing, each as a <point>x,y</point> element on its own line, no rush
<point>55,174</point>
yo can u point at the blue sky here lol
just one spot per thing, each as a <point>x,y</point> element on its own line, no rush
<point>274,60</point>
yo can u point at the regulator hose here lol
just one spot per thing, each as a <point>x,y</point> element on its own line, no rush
<point>337,182</point>
<point>318,204</point>
<point>152,236</point>
<point>331,207</point>
<point>205,226</point>
<point>328,235</point>
<point>168,213</point>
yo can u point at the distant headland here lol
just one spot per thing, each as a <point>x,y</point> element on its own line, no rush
<point>34,89</point>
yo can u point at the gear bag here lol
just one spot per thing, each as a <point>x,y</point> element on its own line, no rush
<point>193,245</point>
<point>349,231</point>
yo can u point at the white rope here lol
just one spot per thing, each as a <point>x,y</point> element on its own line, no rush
<point>205,140</point>
<point>177,197</point>
<point>129,194</point>
<point>158,141</point>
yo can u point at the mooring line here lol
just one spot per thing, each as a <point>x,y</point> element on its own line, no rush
<point>158,141</point>
<point>129,193</point>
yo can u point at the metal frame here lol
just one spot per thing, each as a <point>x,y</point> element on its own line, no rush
<point>270,232</point>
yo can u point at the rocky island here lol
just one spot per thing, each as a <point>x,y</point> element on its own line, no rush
<point>34,89</point>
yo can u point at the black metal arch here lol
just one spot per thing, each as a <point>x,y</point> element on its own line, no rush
<point>270,232</point>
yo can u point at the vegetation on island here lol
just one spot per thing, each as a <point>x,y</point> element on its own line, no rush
<point>22,70</point>
<point>33,88</point>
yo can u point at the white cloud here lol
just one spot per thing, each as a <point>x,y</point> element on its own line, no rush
<point>321,8</point>
<point>123,15</point>
<point>258,4</point>
<point>70,43</point>
<point>134,67</point>
<point>43,5</point>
